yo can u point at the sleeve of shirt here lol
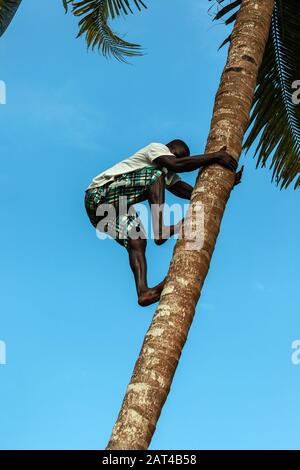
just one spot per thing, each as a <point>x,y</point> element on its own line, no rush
<point>156,150</point>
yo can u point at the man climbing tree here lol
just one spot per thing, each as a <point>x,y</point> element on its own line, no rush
<point>145,176</point>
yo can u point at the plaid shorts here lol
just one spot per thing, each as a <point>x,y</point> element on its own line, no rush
<point>122,193</point>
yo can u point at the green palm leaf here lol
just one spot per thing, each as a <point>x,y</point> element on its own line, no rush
<point>94,25</point>
<point>275,119</point>
<point>8,9</point>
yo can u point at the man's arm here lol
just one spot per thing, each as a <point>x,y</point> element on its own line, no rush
<point>184,190</point>
<point>181,189</point>
<point>185,164</point>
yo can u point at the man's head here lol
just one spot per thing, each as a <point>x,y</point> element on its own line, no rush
<point>179,148</point>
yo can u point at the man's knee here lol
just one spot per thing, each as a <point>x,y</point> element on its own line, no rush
<point>157,186</point>
<point>160,181</point>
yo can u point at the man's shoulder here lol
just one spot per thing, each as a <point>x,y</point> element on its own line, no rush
<point>152,145</point>
<point>151,149</point>
<point>158,144</point>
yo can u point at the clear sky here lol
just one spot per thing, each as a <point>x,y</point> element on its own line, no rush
<point>69,316</point>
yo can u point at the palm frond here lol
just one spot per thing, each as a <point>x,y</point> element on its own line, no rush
<point>8,9</point>
<point>94,25</point>
<point>274,125</point>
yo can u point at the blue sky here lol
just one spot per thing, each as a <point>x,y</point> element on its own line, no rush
<point>69,316</point>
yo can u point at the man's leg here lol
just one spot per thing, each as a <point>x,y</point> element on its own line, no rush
<point>156,198</point>
<point>137,259</point>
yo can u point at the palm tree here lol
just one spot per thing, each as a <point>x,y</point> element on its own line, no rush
<point>262,63</point>
<point>166,336</point>
<point>259,72</point>
<point>93,24</point>
<point>278,132</point>
<point>8,9</point>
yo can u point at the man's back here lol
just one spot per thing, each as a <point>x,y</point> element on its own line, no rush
<point>144,157</point>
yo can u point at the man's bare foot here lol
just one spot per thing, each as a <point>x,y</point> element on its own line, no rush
<point>151,295</point>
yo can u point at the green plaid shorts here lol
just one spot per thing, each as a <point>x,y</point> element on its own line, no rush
<point>122,193</point>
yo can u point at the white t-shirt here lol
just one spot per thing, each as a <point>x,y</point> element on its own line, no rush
<point>144,157</point>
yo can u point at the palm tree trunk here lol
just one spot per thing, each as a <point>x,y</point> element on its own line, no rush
<point>163,343</point>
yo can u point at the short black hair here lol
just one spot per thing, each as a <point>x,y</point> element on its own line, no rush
<point>179,148</point>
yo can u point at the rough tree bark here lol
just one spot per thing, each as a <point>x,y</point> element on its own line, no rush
<point>163,343</point>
